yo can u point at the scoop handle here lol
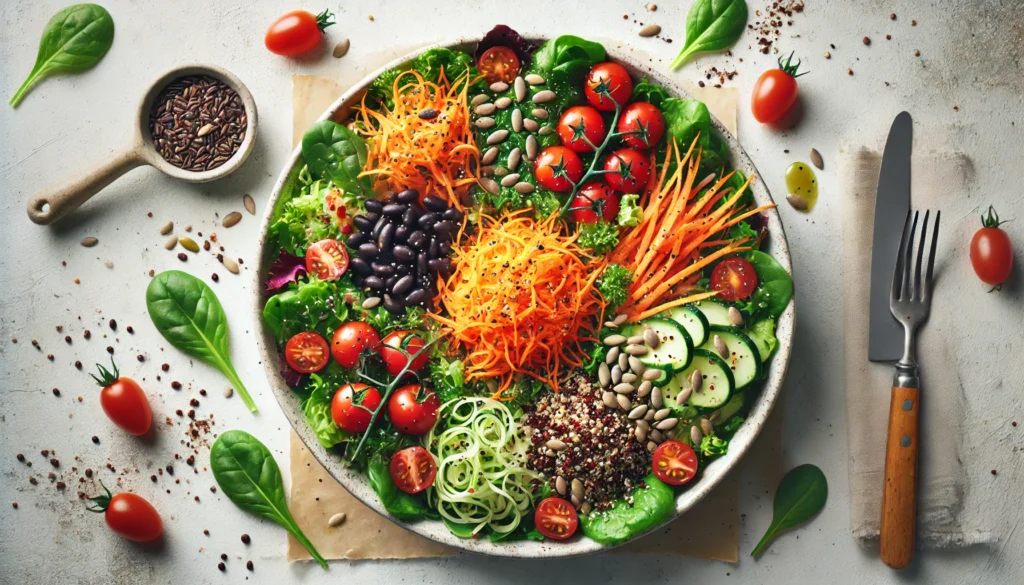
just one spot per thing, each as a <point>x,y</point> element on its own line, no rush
<point>52,205</point>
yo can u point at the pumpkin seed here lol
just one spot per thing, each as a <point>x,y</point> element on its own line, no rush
<point>167,228</point>
<point>340,50</point>
<point>545,130</point>
<point>479,99</point>
<point>498,171</point>
<point>637,412</point>
<point>651,338</point>
<point>649,30</point>
<point>485,123</point>
<point>484,109</point>
<point>490,185</point>
<point>797,202</point>
<point>490,155</point>
<point>89,241</point>
<point>230,264</point>
<point>576,502</point>
<point>491,170</point>
<point>623,388</point>
<point>651,375</point>
<point>496,137</point>
<point>715,416</point>
<point>577,488</point>
<point>560,485</point>
<point>509,180</point>
<point>640,432</point>
<point>520,87</point>
<point>503,102</point>
<point>530,125</point>
<point>517,120</point>
<point>539,113</point>
<point>231,219</point>
<point>635,340</point>
<point>531,147</point>
<point>249,204</point>
<point>649,417</point>
<point>585,508</point>
<point>189,244</point>
<point>666,424</point>
<point>721,347</point>
<point>556,445</point>
<point>171,243</point>
<point>610,325</point>
<point>613,356</point>
<point>629,377</point>
<point>683,395</point>
<point>542,97</point>
<point>623,401</point>
<point>651,446</point>
<point>644,424</point>
<point>705,426</point>
<point>524,188</point>
<point>636,350</point>
<point>662,414</point>
<point>696,380</point>
<point>636,365</point>
<point>657,401</point>
<point>338,518</point>
<point>534,79</point>
<point>695,435</point>
<point>735,317</point>
<point>615,339</point>
<point>371,302</point>
<point>644,389</point>
<point>498,86</point>
<point>620,319</point>
<point>616,374</point>
<point>609,399</point>
<point>657,436</point>
<point>623,361</point>
<point>513,158</point>
<point>603,375</point>
<point>816,159</point>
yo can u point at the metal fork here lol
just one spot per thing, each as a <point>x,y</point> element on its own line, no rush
<point>910,301</point>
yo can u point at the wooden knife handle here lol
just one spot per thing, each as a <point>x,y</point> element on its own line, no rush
<point>899,496</point>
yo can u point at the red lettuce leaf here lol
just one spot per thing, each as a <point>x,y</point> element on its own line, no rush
<point>287,268</point>
<point>291,377</point>
<point>503,36</point>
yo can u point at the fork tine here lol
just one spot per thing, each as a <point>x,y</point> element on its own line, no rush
<point>897,273</point>
<point>917,288</point>
<point>931,258</point>
<point>908,260</point>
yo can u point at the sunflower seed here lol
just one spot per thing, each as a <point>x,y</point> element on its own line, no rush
<point>560,486</point>
<point>577,488</point>
<point>545,130</point>
<point>721,347</point>
<point>167,228</point>
<point>797,202</point>
<point>89,241</point>
<point>657,401</point>
<point>649,30</point>
<point>623,388</point>
<point>615,340</point>
<point>576,502</point>
<point>620,319</point>
<point>371,302</point>
<point>616,374</point>
<point>520,87</point>
<point>485,123</point>
<point>705,426</point>
<point>644,389</point>
<point>171,243</point>
<point>613,356</point>
<point>490,155</point>
<point>651,446</point>
<point>609,399</point>
<point>637,412</point>
<point>636,350</point>
<point>657,436</point>
<point>816,159</point>
<point>555,444</point>
<point>479,99</point>
<point>231,219</point>
<point>230,264</point>
<point>623,401</point>
<point>513,158</point>
<point>503,102</point>
<point>635,340</point>
<point>524,188</point>
<point>695,435</point>
<point>498,86</point>
<point>735,317</point>
<point>189,244</point>
<point>623,361</point>
<point>531,147</point>
<point>636,365</point>
<point>542,97</point>
<point>228,392</point>
<point>683,395</point>
<point>651,375</point>
<point>517,120</point>
<point>539,113</point>
<point>696,380</point>
<point>249,204</point>
<point>585,508</point>
<point>496,137</point>
<point>338,518</point>
<point>340,50</point>
<point>484,109</point>
<point>490,185</point>
<point>530,125</point>
<point>509,180</point>
<point>651,338</point>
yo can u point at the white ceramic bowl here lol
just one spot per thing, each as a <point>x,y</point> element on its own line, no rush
<point>357,483</point>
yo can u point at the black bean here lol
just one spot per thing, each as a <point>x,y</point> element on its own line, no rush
<point>435,247</point>
<point>403,284</point>
<point>401,232</point>
<point>362,224</point>
<point>390,281</point>
<point>404,253</point>
<point>421,263</point>
<point>386,237</point>
<point>446,248</point>
<point>374,206</point>
<point>367,251</point>
<point>453,215</point>
<point>394,209</point>
<point>436,264</point>
<point>428,219</point>
<point>444,227</point>
<point>408,196</point>
<point>373,216</point>
<point>434,203</point>
<point>377,228</point>
<point>357,239</point>
<point>410,216</point>
<point>374,282</point>
<point>360,266</point>
<point>416,239</point>
<point>415,297</point>
<point>393,305</point>
<point>383,270</point>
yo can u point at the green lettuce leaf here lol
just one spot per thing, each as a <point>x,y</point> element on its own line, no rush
<point>317,409</point>
<point>629,211</point>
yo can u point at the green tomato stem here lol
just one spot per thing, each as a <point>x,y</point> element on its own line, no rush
<point>597,157</point>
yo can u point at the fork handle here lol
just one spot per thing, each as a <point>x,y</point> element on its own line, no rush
<point>899,496</point>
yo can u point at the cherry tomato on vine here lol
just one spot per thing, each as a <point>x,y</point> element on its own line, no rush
<point>350,340</point>
<point>327,259</point>
<point>581,128</point>
<point>129,515</point>
<point>413,409</point>
<point>352,407</point>
<point>413,469</point>
<point>607,84</point>
<point>775,91</point>
<point>394,360</point>
<point>555,518</point>
<point>307,352</point>
<point>992,251</point>
<point>674,462</point>
<point>645,122</point>
<point>630,170</point>
<point>123,401</point>
<point>499,64</point>
<point>734,279</point>
<point>557,168</point>
<point>297,32</point>
<point>595,200</point>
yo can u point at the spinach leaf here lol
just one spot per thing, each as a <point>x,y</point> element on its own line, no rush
<point>317,409</point>
<point>311,305</point>
<point>74,40</point>
<point>645,91</point>
<point>334,152</point>
<point>248,475</point>
<point>405,507</point>
<point>800,496</point>
<point>774,290</point>
<point>712,25</point>
<point>651,504</point>
<point>685,120</point>
<point>189,316</point>
<point>568,55</point>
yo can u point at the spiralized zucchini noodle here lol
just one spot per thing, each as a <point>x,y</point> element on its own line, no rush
<point>482,479</point>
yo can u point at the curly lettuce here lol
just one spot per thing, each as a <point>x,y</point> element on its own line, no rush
<point>600,236</point>
<point>302,219</point>
<point>613,284</point>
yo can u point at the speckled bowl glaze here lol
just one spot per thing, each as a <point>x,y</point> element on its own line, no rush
<point>357,483</point>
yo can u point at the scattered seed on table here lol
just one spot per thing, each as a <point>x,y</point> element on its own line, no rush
<point>341,49</point>
<point>189,244</point>
<point>78,364</point>
<point>248,565</point>
<point>828,55</point>
<point>336,519</point>
<point>228,263</point>
<point>165,367</point>
<point>182,256</point>
<point>95,439</point>
<point>56,392</point>
<point>816,159</point>
<point>228,393</point>
<point>797,202</point>
<point>649,30</point>
<point>221,567</point>
<point>167,228</point>
<point>214,277</point>
<point>867,41</point>
<point>89,242</point>
<point>231,219</point>
<point>246,539</point>
<point>141,357</point>
<point>249,204</point>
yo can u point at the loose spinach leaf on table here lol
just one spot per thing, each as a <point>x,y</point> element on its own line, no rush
<point>189,316</point>
<point>712,25</point>
<point>800,496</point>
<point>334,152</point>
<point>247,474</point>
<point>75,39</point>
<point>405,507</point>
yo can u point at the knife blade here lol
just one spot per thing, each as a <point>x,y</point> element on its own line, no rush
<point>892,203</point>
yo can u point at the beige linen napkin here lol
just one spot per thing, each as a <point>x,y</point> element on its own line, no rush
<point>940,181</point>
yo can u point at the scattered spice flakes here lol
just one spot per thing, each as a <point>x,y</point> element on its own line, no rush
<point>849,71</point>
<point>771,20</point>
<point>892,16</point>
<point>913,23</point>
<point>867,41</point>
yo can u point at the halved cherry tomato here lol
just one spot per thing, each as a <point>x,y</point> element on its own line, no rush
<point>646,121</point>
<point>557,168</point>
<point>775,92</point>
<point>555,518</point>
<point>123,401</point>
<point>129,515</point>
<point>394,360</point>
<point>595,200</point>
<point>674,462</point>
<point>307,352</point>
<point>413,409</point>
<point>353,406</point>
<point>734,279</point>
<point>413,469</point>
<point>992,251</point>
<point>630,170</point>
<point>499,64</point>
<point>350,340</point>
<point>327,259</point>
<point>297,32</point>
<point>606,84</point>
<point>581,128</point>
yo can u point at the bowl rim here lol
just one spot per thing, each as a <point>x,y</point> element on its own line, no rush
<point>435,530</point>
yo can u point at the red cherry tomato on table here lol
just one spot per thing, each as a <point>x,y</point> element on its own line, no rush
<point>350,340</point>
<point>352,407</point>
<point>607,84</point>
<point>992,251</point>
<point>129,516</point>
<point>394,360</point>
<point>631,170</point>
<point>327,259</point>
<point>674,463</point>
<point>307,352</point>
<point>580,127</point>
<point>645,122</point>
<point>557,168</point>
<point>595,200</point>
<point>413,409</point>
<point>123,401</point>
<point>296,32</point>
<point>555,518</point>
<point>775,92</point>
<point>734,279</point>
<point>413,469</point>
<point>499,64</point>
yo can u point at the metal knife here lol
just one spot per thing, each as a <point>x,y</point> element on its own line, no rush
<point>892,203</point>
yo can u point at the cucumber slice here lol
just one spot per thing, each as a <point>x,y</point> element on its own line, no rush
<point>675,349</point>
<point>666,375</point>
<point>692,320</point>
<point>717,312</point>
<point>715,390</point>
<point>744,359</point>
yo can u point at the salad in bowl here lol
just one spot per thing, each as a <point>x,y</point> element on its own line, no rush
<point>521,297</point>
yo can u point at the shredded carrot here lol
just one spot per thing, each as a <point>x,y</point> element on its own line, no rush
<point>425,142</point>
<point>521,300</point>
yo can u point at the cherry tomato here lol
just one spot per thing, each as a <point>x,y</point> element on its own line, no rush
<point>350,340</point>
<point>296,32</point>
<point>646,121</point>
<point>353,406</point>
<point>413,469</point>
<point>992,251</point>
<point>674,462</point>
<point>775,92</point>
<point>307,352</point>
<point>632,169</point>
<point>595,200</point>
<point>123,401</point>
<point>129,515</point>
<point>558,168</point>
<point>606,84</point>
<point>499,64</point>
<point>327,259</point>
<point>580,127</point>
<point>394,360</point>
<point>413,409</point>
<point>734,279</point>
<point>555,518</point>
